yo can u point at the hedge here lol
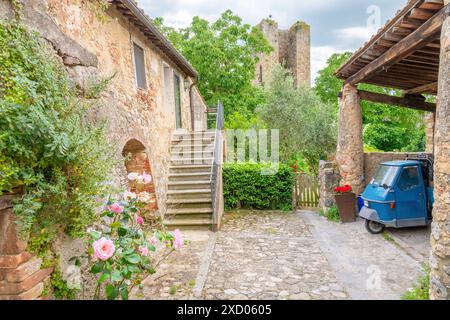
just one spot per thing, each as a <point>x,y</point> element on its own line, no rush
<point>246,187</point>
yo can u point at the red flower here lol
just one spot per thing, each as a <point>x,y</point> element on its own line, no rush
<point>343,189</point>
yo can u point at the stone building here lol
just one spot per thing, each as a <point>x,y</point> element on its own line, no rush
<point>151,101</point>
<point>410,53</point>
<point>152,94</point>
<point>291,48</point>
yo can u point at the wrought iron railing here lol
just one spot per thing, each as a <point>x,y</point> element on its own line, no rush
<point>216,169</point>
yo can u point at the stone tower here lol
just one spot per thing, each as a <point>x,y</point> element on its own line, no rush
<point>292,48</point>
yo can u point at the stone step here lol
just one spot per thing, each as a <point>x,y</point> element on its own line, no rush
<point>189,185</point>
<point>189,193</point>
<point>200,168</point>
<point>192,161</point>
<point>189,202</point>
<point>192,144</point>
<point>175,177</point>
<point>191,153</point>
<point>176,223</point>
<point>189,211</point>
<point>208,133</point>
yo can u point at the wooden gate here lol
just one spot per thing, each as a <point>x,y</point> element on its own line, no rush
<point>306,191</point>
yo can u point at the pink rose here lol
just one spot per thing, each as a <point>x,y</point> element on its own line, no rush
<point>143,251</point>
<point>147,178</point>
<point>139,220</point>
<point>144,197</point>
<point>129,195</point>
<point>103,249</point>
<point>116,208</point>
<point>177,239</point>
<point>133,176</point>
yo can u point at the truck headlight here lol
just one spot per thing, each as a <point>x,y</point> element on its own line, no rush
<point>366,203</point>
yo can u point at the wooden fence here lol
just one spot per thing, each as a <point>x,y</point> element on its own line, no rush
<point>306,191</point>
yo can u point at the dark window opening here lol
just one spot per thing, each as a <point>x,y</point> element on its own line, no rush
<point>176,84</point>
<point>139,64</point>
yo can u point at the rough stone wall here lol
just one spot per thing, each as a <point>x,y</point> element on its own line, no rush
<point>328,181</point>
<point>440,235</point>
<point>94,47</point>
<point>200,111</point>
<point>299,53</point>
<point>21,276</point>
<point>429,131</point>
<point>267,61</point>
<point>131,113</point>
<point>292,48</point>
<point>350,150</point>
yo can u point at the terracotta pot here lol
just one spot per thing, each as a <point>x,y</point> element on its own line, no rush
<point>346,204</point>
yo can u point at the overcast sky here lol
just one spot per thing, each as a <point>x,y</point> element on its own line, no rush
<point>336,25</point>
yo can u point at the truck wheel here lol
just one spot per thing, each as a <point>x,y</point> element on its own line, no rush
<point>374,227</point>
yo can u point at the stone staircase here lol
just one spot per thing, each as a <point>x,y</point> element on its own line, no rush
<point>189,201</point>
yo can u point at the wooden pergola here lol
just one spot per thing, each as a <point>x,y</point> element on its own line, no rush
<point>410,53</point>
<point>403,55</point>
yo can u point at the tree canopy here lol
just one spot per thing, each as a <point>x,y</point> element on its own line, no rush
<point>386,128</point>
<point>307,125</point>
<point>225,54</point>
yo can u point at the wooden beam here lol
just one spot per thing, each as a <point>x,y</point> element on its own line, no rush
<point>431,87</point>
<point>405,47</point>
<point>408,101</point>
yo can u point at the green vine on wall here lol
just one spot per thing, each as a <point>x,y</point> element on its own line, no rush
<point>46,145</point>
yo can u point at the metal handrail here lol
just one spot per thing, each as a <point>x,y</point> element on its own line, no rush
<point>217,156</point>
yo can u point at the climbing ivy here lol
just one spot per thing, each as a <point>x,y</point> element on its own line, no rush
<point>46,144</point>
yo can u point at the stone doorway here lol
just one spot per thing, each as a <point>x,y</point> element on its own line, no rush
<point>137,161</point>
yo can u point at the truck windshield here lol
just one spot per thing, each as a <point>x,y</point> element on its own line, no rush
<point>385,176</point>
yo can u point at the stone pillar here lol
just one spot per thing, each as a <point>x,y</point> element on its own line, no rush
<point>328,181</point>
<point>350,148</point>
<point>440,237</point>
<point>21,277</point>
<point>429,131</point>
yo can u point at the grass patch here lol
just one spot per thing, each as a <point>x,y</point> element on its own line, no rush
<point>332,214</point>
<point>173,290</point>
<point>421,290</point>
<point>388,237</point>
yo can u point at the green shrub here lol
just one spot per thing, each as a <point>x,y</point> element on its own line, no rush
<point>332,214</point>
<point>246,187</point>
<point>46,144</point>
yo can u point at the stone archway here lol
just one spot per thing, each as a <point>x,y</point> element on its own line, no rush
<point>137,161</point>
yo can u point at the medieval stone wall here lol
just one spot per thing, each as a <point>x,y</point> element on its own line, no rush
<point>95,45</point>
<point>291,48</point>
<point>144,115</point>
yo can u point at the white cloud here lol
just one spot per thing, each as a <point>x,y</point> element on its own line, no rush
<point>319,57</point>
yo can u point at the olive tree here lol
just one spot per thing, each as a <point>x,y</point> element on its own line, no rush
<point>307,125</point>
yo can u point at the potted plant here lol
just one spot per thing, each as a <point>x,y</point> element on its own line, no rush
<point>346,203</point>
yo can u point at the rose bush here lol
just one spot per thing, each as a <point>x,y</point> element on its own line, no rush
<point>121,246</point>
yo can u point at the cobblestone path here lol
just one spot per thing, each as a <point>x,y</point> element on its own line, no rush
<point>276,255</point>
<point>269,255</point>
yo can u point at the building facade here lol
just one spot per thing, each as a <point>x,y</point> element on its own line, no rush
<point>152,92</point>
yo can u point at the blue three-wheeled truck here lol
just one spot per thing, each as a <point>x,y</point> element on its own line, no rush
<point>400,195</point>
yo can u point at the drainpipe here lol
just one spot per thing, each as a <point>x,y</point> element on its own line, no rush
<point>191,102</point>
